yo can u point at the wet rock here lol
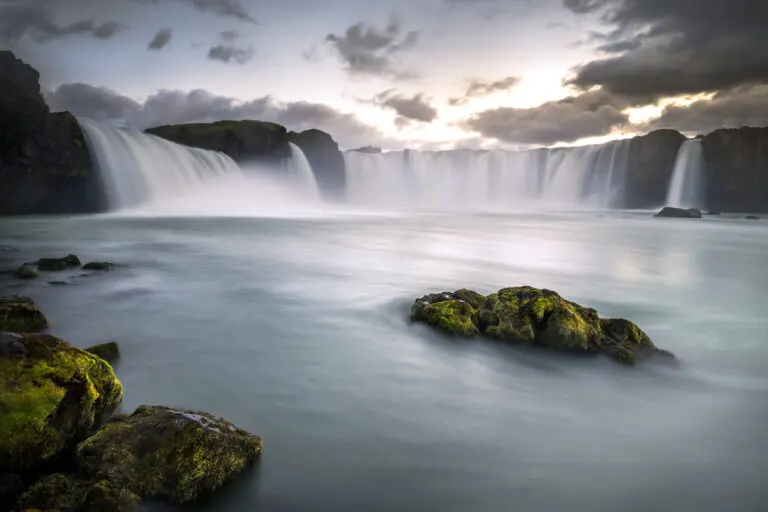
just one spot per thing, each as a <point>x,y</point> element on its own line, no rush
<point>109,351</point>
<point>680,213</point>
<point>752,217</point>
<point>55,264</point>
<point>58,283</point>
<point>527,315</point>
<point>51,395</point>
<point>19,314</point>
<point>169,454</point>
<point>98,265</point>
<point>69,493</point>
<point>26,272</point>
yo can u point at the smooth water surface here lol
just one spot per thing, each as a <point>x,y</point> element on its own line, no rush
<point>297,329</point>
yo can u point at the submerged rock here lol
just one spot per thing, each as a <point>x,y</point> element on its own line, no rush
<point>19,314</point>
<point>752,217</point>
<point>98,265</point>
<point>680,213</point>
<point>69,493</point>
<point>54,264</point>
<point>26,272</point>
<point>51,395</point>
<point>170,454</point>
<point>109,351</point>
<point>533,316</point>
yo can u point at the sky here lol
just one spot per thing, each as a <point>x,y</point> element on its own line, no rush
<point>429,74</point>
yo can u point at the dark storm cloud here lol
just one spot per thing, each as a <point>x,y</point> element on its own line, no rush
<point>416,108</point>
<point>677,47</point>
<point>587,115</point>
<point>227,54</point>
<point>176,107</point>
<point>161,39</point>
<point>478,88</point>
<point>367,50</point>
<point>33,17</point>
<point>227,8</point>
<point>230,36</point>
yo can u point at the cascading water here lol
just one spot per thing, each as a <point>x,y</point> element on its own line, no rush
<point>138,168</point>
<point>686,186</point>
<point>562,177</point>
<point>301,172</point>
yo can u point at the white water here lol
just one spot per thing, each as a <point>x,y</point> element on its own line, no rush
<point>686,186</point>
<point>563,177</point>
<point>138,168</point>
<point>301,171</point>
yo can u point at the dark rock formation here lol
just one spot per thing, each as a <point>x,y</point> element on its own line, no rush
<point>69,493</point>
<point>680,213</point>
<point>45,166</point>
<point>737,169</point>
<point>752,217</point>
<point>326,160</point>
<point>19,314</point>
<point>169,454</point>
<point>98,265</point>
<point>26,272</point>
<point>109,351</point>
<point>526,315</point>
<point>54,264</point>
<point>651,160</point>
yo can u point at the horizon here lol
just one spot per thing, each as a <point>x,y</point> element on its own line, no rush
<point>399,76</point>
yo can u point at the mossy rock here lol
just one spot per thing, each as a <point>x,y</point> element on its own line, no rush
<point>109,351</point>
<point>26,272</point>
<point>98,265</point>
<point>56,264</point>
<point>19,314</point>
<point>51,395</point>
<point>69,493</point>
<point>169,454</point>
<point>528,315</point>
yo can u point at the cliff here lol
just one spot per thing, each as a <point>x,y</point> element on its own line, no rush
<point>651,160</point>
<point>326,160</point>
<point>45,165</point>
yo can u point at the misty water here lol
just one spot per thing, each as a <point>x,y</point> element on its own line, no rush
<point>294,325</point>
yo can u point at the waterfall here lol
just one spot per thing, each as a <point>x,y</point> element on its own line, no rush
<point>138,168</point>
<point>685,189</point>
<point>301,172</point>
<point>592,176</point>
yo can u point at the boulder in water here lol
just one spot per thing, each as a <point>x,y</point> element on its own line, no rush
<point>98,265</point>
<point>19,314</point>
<point>170,454</point>
<point>54,264</point>
<point>109,351</point>
<point>26,272</point>
<point>752,217</point>
<point>680,213</point>
<point>70,493</point>
<point>527,315</point>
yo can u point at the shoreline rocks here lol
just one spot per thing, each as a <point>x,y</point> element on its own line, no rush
<point>109,351</point>
<point>532,316</point>
<point>19,314</point>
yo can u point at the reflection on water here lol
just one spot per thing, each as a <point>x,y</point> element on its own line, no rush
<point>296,329</point>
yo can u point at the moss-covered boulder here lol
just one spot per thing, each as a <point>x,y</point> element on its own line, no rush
<point>109,351</point>
<point>54,264</point>
<point>168,454</point>
<point>527,315</point>
<point>51,395</point>
<point>69,493</point>
<point>26,272</point>
<point>98,265</point>
<point>19,314</point>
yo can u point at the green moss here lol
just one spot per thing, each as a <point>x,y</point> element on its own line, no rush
<point>26,272</point>
<point>19,314</point>
<point>452,316</point>
<point>51,394</point>
<point>68,493</point>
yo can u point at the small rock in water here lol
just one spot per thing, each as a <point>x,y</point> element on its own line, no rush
<point>109,351</point>
<point>680,213</point>
<point>26,272</point>
<point>54,264</point>
<point>98,265</point>
<point>752,217</point>
<point>68,493</point>
<point>58,283</point>
<point>19,314</point>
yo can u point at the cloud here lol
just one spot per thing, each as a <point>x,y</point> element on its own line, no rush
<point>478,88</point>
<point>230,36</point>
<point>570,119</point>
<point>177,107</point>
<point>229,54</point>
<point>226,8</point>
<point>33,17</point>
<point>367,50</point>
<point>161,39</point>
<point>670,48</point>
<point>416,108</point>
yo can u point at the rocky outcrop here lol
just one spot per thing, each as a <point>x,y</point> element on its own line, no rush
<point>532,316</point>
<point>326,160</point>
<point>680,213</point>
<point>169,454</point>
<point>737,169</point>
<point>19,314</point>
<point>650,162</point>
<point>45,165</point>
<point>109,351</point>
<point>69,493</point>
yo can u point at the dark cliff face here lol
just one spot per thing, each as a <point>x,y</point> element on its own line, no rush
<point>326,160</point>
<point>651,161</point>
<point>737,169</point>
<point>45,165</point>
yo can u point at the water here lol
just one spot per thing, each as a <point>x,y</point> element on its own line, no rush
<point>302,173</point>
<point>295,327</point>
<point>592,176</point>
<point>685,189</point>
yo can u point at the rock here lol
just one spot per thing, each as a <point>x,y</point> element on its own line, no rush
<point>650,162</point>
<point>19,314</point>
<point>69,493</point>
<point>109,351</point>
<point>169,454</point>
<point>527,315</point>
<point>54,264</point>
<point>681,213</point>
<point>58,283</point>
<point>752,217</point>
<point>26,272</point>
<point>51,395</point>
<point>326,160</point>
<point>98,265</point>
